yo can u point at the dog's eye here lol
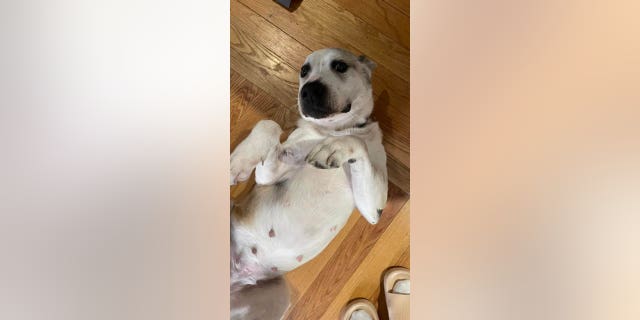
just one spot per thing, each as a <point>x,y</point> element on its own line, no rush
<point>339,66</point>
<point>305,70</point>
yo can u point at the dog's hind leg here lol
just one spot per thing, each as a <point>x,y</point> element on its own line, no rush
<point>267,300</point>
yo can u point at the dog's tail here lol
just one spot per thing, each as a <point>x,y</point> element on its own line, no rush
<point>266,300</point>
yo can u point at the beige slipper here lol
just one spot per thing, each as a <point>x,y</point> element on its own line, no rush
<point>361,305</point>
<point>397,303</point>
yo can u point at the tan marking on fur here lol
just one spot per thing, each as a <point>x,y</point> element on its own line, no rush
<point>241,215</point>
<point>244,211</point>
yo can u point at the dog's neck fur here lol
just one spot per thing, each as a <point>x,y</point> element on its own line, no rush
<point>359,128</point>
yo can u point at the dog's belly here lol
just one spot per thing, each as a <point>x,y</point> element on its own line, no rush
<point>292,222</point>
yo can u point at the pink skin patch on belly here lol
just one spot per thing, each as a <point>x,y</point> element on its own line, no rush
<point>299,258</point>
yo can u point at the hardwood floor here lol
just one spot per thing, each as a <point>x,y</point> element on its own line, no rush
<point>268,45</point>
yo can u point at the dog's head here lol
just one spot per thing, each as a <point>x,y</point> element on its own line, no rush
<point>335,88</point>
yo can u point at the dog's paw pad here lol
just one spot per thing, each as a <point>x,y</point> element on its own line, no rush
<point>299,258</point>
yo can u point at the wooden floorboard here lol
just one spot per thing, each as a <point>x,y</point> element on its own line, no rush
<point>282,44</point>
<point>387,19</point>
<point>268,46</point>
<point>398,174</point>
<point>250,104</point>
<point>320,24</point>
<point>265,69</point>
<point>402,5</point>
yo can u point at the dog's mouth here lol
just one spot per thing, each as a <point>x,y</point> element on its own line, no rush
<point>323,114</point>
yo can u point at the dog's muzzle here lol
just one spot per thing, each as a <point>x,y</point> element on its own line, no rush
<point>313,100</point>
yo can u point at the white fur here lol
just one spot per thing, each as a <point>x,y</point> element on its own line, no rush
<point>356,90</point>
<point>297,208</point>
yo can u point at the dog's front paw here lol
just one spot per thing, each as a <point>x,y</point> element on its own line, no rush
<point>333,152</point>
<point>241,168</point>
<point>254,149</point>
<point>267,129</point>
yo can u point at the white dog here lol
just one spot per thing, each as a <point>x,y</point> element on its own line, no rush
<point>308,186</point>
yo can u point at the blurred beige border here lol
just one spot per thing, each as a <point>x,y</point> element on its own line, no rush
<point>525,176</point>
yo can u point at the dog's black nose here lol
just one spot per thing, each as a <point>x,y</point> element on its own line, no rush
<point>313,92</point>
<point>313,100</point>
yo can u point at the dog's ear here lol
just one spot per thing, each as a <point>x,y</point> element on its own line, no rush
<point>368,64</point>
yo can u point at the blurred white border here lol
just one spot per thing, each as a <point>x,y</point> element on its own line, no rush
<point>114,126</point>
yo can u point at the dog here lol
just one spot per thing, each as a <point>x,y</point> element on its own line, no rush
<point>307,186</point>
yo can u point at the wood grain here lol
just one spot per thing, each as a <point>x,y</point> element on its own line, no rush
<point>286,47</point>
<point>387,19</point>
<point>402,5</point>
<point>398,174</point>
<point>250,104</point>
<point>320,24</point>
<point>267,70</point>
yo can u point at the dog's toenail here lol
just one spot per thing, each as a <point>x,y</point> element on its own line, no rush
<point>379,212</point>
<point>272,233</point>
<point>299,258</point>
<point>254,250</point>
